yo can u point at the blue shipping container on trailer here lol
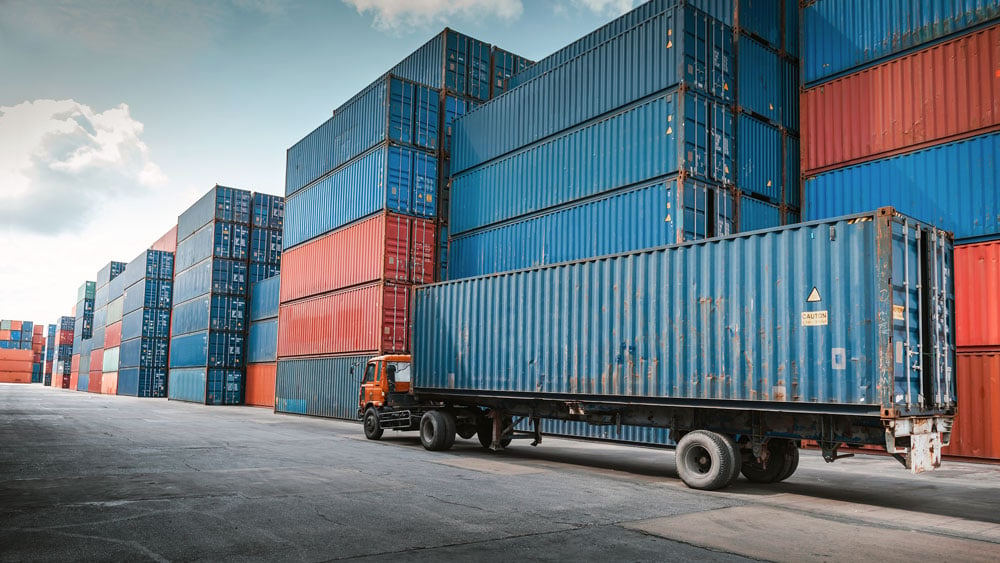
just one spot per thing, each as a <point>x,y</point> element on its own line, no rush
<point>663,212</point>
<point>680,46</point>
<point>264,297</point>
<point>388,178</point>
<point>391,109</point>
<point>838,37</point>
<point>319,386</point>
<point>676,131</point>
<point>746,321</point>
<point>955,186</point>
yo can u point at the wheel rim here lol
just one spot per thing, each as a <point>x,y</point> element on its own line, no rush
<point>370,424</point>
<point>698,460</point>
<point>426,430</point>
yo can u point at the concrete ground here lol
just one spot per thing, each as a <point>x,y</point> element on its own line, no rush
<point>91,478</point>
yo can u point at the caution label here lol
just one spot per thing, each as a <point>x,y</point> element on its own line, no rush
<point>814,296</point>
<point>815,318</point>
<point>897,312</point>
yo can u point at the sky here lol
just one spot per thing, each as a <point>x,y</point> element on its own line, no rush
<point>116,115</point>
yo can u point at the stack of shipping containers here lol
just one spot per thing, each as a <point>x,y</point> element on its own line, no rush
<point>112,335</point>
<point>208,323</point>
<point>102,296</point>
<point>37,339</point>
<point>262,342</point>
<point>62,356</point>
<point>144,331</point>
<point>364,193</point>
<point>267,221</point>
<point>694,138</point>
<point>901,107</point>
<point>20,352</point>
<point>50,344</point>
<point>83,330</point>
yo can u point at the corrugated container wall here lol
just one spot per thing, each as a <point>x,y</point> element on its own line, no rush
<point>977,295</point>
<point>320,386</point>
<point>264,298</point>
<point>167,242</point>
<point>612,327</point>
<point>933,95</point>
<point>976,433</point>
<point>840,36</point>
<point>260,384</point>
<point>955,186</point>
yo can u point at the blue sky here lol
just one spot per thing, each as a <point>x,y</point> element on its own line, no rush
<point>115,115</point>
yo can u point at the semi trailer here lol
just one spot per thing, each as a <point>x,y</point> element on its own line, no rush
<point>837,331</point>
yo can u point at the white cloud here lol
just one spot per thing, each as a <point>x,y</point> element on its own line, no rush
<point>610,8</point>
<point>394,14</point>
<point>60,160</point>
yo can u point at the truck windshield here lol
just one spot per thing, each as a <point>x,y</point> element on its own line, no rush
<point>402,371</point>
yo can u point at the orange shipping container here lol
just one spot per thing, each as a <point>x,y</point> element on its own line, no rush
<point>934,95</point>
<point>15,376</point>
<point>96,371</point>
<point>15,366</point>
<point>15,325</point>
<point>976,433</point>
<point>168,242</point>
<point>372,318</point>
<point>74,380</point>
<point>113,335</point>
<point>386,247</point>
<point>260,384</point>
<point>977,295</point>
<point>5,335</point>
<point>109,383</point>
<point>37,330</point>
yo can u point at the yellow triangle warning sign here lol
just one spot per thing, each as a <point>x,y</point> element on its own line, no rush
<point>814,296</point>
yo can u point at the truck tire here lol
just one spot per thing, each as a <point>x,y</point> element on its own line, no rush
<point>704,460</point>
<point>485,433</point>
<point>373,430</point>
<point>437,430</point>
<point>791,462</point>
<point>757,473</point>
<point>466,430</point>
<point>734,448</point>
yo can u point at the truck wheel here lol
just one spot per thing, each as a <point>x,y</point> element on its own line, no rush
<point>437,430</point>
<point>373,430</point>
<point>791,462</point>
<point>757,473</point>
<point>734,448</point>
<point>704,460</point>
<point>466,430</point>
<point>485,432</point>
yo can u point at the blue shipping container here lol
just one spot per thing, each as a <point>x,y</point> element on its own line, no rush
<point>259,272</point>
<point>142,382</point>
<point>218,239</point>
<point>955,186</point>
<point>206,386</point>
<point>262,342</point>
<point>842,36</point>
<point>108,272</point>
<point>230,205</point>
<point>391,109</point>
<point>149,323</point>
<point>761,158</point>
<point>679,46</point>
<point>143,352</point>
<point>768,84</point>
<point>390,178</point>
<point>210,312</point>
<point>450,61</point>
<point>213,275</point>
<point>719,9</point>
<point>265,246</point>
<point>665,323</point>
<point>207,349</point>
<point>187,384</point>
<point>148,293</point>
<point>664,212</point>
<point>319,386</point>
<point>755,214</point>
<point>674,132</point>
<point>505,66</point>
<point>155,264</point>
<point>264,298</point>
<point>268,211</point>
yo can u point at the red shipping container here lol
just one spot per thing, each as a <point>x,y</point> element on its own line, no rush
<point>5,335</point>
<point>113,335</point>
<point>109,383</point>
<point>37,330</point>
<point>976,433</point>
<point>65,337</point>
<point>66,381</point>
<point>96,369</point>
<point>15,366</point>
<point>168,242</point>
<point>15,325</point>
<point>48,367</point>
<point>74,380</point>
<point>369,319</point>
<point>934,95</point>
<point>977,294</point>
<point>386,247</point>
<point>260,384</point>
<point>74,364</point>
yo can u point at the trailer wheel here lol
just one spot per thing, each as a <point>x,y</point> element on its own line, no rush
<point>704,460</point>
<point>791,462</point>
<point>485,433</point>
<point>734,448</point>
<point>373,430</point>
<point>437,430</point>
<point>757,473</point>
<point>466,430</point>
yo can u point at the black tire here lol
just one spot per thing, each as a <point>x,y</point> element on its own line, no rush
<point>737,457</point>
<point>437,430</point>
<point>373,430</point>
<point>485,432</point>
<point>466,430</point>
<point>791,462</point>
<point>704,460</point>
<point>757,473</point>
